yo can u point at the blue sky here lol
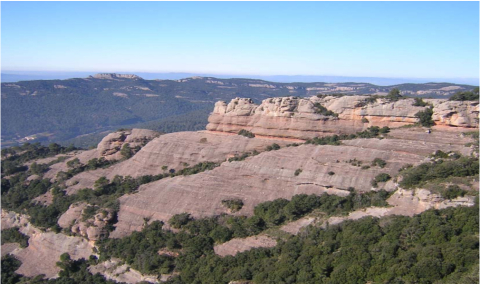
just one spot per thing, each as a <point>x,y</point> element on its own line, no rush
<point>378,39</point>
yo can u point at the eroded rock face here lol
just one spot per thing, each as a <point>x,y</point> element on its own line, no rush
<point>176,151</point>
<point>261,178</point>
<point>109,148</point>
<point>235,246</point>
<point>44,248</point>
<point>405,203</point>
<point>93,228</point>
<point>453,113</point>
<point>114,76</point>
<point>296,117</point>
<point>114,269</point>
<point>111,144</point>
<point>271,175</point>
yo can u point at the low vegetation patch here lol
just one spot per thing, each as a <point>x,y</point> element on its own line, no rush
<point>425,117</point>
<point>394,95</point>
<point>13,235</point>
<point>320,109</point>
<point>371,132</point>
<point>246,133</point>
<point>453,191</point>
<point>234,205</point>
<point>274,146</point>
<point>419,102</point>
<point>243,156</point>
<point>383,177</point>
<point>439,170</point>
<point>379,162</point>
<point>13,158</point>
<point>466,96</point>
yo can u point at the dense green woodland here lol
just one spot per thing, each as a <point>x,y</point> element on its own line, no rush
<point>60,110</point>
<point>437,246</point>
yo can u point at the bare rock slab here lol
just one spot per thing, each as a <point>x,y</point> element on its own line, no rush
<point>237,245</point>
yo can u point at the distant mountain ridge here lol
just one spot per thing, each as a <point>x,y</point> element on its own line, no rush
<point>15,76</point>
<point>58,110</point>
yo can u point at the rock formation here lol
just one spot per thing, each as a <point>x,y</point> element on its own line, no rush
<point>44,248</point>
<point>109,148</point>
<point>270,175</point>
<point>176,151</point>
<point>91,228</point>
<point>235,246</point>
<point>114,269</point>
<point>114,76</point>
<point>302,118</point>
<point>111,144</point>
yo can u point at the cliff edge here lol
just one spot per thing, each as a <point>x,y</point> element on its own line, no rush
<point>320,116</point>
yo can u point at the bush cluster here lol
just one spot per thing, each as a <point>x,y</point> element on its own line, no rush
<point>371,132</point>
<point>320,109</point>
<point>234,205</point>
<point>246,133</point>
<point>425,117</point>
<point>461,167</point>
<point>466,96</point>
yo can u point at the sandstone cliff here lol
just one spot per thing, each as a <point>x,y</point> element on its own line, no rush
<point>302,118</point>
<point>114,76</point>
<point>109,148</point>
<point>176,151</point>
<point>270,175</point>
<point>44,248</point>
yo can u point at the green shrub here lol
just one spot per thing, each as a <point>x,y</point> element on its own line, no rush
<point>243,156</point>
<point>419,102</point>
<point>384,130</point>
<point>179,220</point>
<point>379,162</point>
<point>466,96</point>
<point>453,191</point>
<point>274,146</point>
<point>13,235</point>
<point>394,95</point>
<point>319,109</point>
<point>383,177</point>
<point>461,167</point>
<point>126,151</point>
<point>246,133</point>
<point>233,204</point>
<point>425,117</point>
<point>297,172</point>
<point>440,154</point>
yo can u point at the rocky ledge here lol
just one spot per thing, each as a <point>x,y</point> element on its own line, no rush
<point>115,76</point>
<point>319,116</point>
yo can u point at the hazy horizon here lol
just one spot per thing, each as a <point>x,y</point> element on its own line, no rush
<point>15,76</point>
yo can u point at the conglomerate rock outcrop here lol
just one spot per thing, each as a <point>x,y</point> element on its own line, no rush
<point>302,118</point>
<point>92,227</point>
<point>109,148</point>
<point>271,175</point>
<point>44,248</point>
<point>176,151</point>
